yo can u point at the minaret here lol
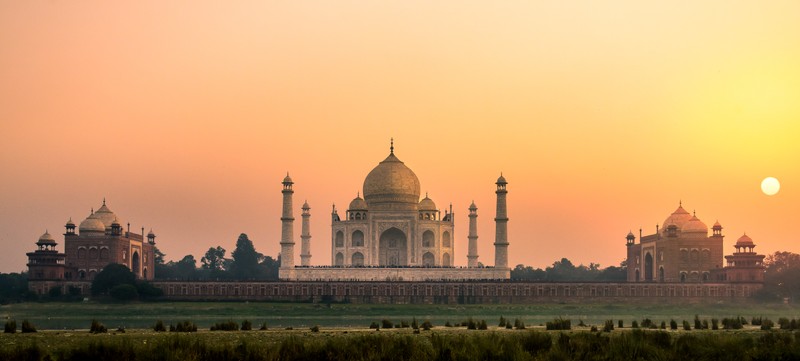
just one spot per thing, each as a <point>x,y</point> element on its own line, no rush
<point>501,226</point>
<point>305,237</point>
<point>287,222</point>
<point>472,253</point>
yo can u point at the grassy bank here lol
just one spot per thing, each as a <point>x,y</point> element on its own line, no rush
<point>61,316</point>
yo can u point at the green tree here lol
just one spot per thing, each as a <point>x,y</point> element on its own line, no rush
<point>245,260</point>
<point>270,267</point>
<point>214,260</point>
<point>186,268</point>
<point>113,274</point>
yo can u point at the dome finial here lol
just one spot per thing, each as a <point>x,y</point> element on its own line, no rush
<point>104,200</point>
<point>91,210</point>
<point>680,203</point>
<point>391,146</point>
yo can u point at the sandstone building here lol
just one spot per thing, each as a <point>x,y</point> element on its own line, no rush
<point>682,251</point>
<point>100,240</point>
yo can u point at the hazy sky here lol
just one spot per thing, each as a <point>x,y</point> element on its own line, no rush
<point>186,116</point>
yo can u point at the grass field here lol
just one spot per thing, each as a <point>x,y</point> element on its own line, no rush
<point>67,316</point>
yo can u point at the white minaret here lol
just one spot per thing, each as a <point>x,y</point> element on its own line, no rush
<point>472,254</point>
<point>287,222</point>
<point>501,226</point>
<point>305,237</point>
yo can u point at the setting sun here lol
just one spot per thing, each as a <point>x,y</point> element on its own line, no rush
<point>770,186</point>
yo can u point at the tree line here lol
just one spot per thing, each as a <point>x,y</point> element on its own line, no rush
<point>245,263</point>
<point>565,271</point>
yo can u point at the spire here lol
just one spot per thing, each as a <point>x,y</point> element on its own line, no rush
<point>104,200</point>
<point>391,146</point>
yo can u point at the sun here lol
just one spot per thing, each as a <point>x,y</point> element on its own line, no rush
<point>770,186</point>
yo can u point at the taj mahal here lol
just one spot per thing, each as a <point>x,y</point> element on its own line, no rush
<point>390,234</point>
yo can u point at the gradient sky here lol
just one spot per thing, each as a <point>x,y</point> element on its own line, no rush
<point>186,116</point>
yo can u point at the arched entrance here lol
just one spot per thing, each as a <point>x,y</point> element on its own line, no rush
<point>648,267</point>
<point>427,259</point>
<point>357,260</point>
<point>446,260</point>
<point>393,248</point>
<point>661,274</point>
<point>339,261</point>
<point>135,264</point>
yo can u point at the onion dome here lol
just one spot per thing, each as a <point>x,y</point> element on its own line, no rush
<point>744,240</point>
<point>151,234</point>
<point>678,218</point>
<point>427,204</point>
<point>717,225</point>
<point>358,204</point>
<point>70,223</point>
<point>472,206</point>
<point>92,225</point>
<point>391,182</point>
<point>630,235</point>
<point>287,179</point>
<point>105,215</point>
<point>694,226</point>
<point>306,206</point>
<point>46,239</point>
<point>501,180</point>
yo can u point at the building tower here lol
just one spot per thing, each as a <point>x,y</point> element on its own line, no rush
<point>287,222</point>
<point>501,226</point>
<point>305,237</point>
<point>472,252</point>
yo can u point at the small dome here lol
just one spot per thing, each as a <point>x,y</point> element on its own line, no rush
<point>744,240</point>
<point>358,204</point>
<point>427,204</point>
<point>306,206</point>
<point>92,225</point>
<point>70,223</point>
<point>630,235</point>
<point>287,179</point>
<point>150,234</point>
<point>46,238</point>
<point>678,218</point>
<point>717,225</point>
<point>472,206</point>
<point>694,226</point>
<point>391,182</point>
<point>501,180</point>
<point>105,215</point>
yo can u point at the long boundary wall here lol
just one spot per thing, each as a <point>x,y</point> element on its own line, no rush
<point>455,292</point>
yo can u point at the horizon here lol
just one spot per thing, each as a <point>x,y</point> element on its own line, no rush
<point>602,117</point>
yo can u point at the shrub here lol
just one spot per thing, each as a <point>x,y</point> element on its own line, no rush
<point>404,324</point>
<point>687,326</point>
<point>581,323</point>
<point>509,326</point>
<point>315,328</point>
<point>247,325</point>
<point>386,323</point>
<point>756,321</point>
<point>225,326</point>
<point>183,326</point>
<point>766,324</point>
<point>10,327</point>
<point>648,323</point>
<point>502,322</point>
<point>518,324</point>
<point>609,326</point>
<point>121,329</point>
<point>448,324</point>
<point>263,326</point>
<point>705,324</point>
<point>374,325</point>
<point>732,323</point>
<point>482,325</point>
<point>414,323</point>
<point>27,327</point>
<point>673,325</point>
<point>558,324</point>
<point>593,329</point>
<point>124,292</point>
<point>97,327</point>
<point>663,325</point>
<point>635,324</point>
<point>159,326</point>
<point>714,324</point>
<point>620,324</point>
<point>697,324</point>
<point>427,325</point>
<point>471,325</point>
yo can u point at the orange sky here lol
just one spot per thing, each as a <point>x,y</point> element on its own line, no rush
<point>601,115</point>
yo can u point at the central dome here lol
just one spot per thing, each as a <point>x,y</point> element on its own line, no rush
<point>391,182</point>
